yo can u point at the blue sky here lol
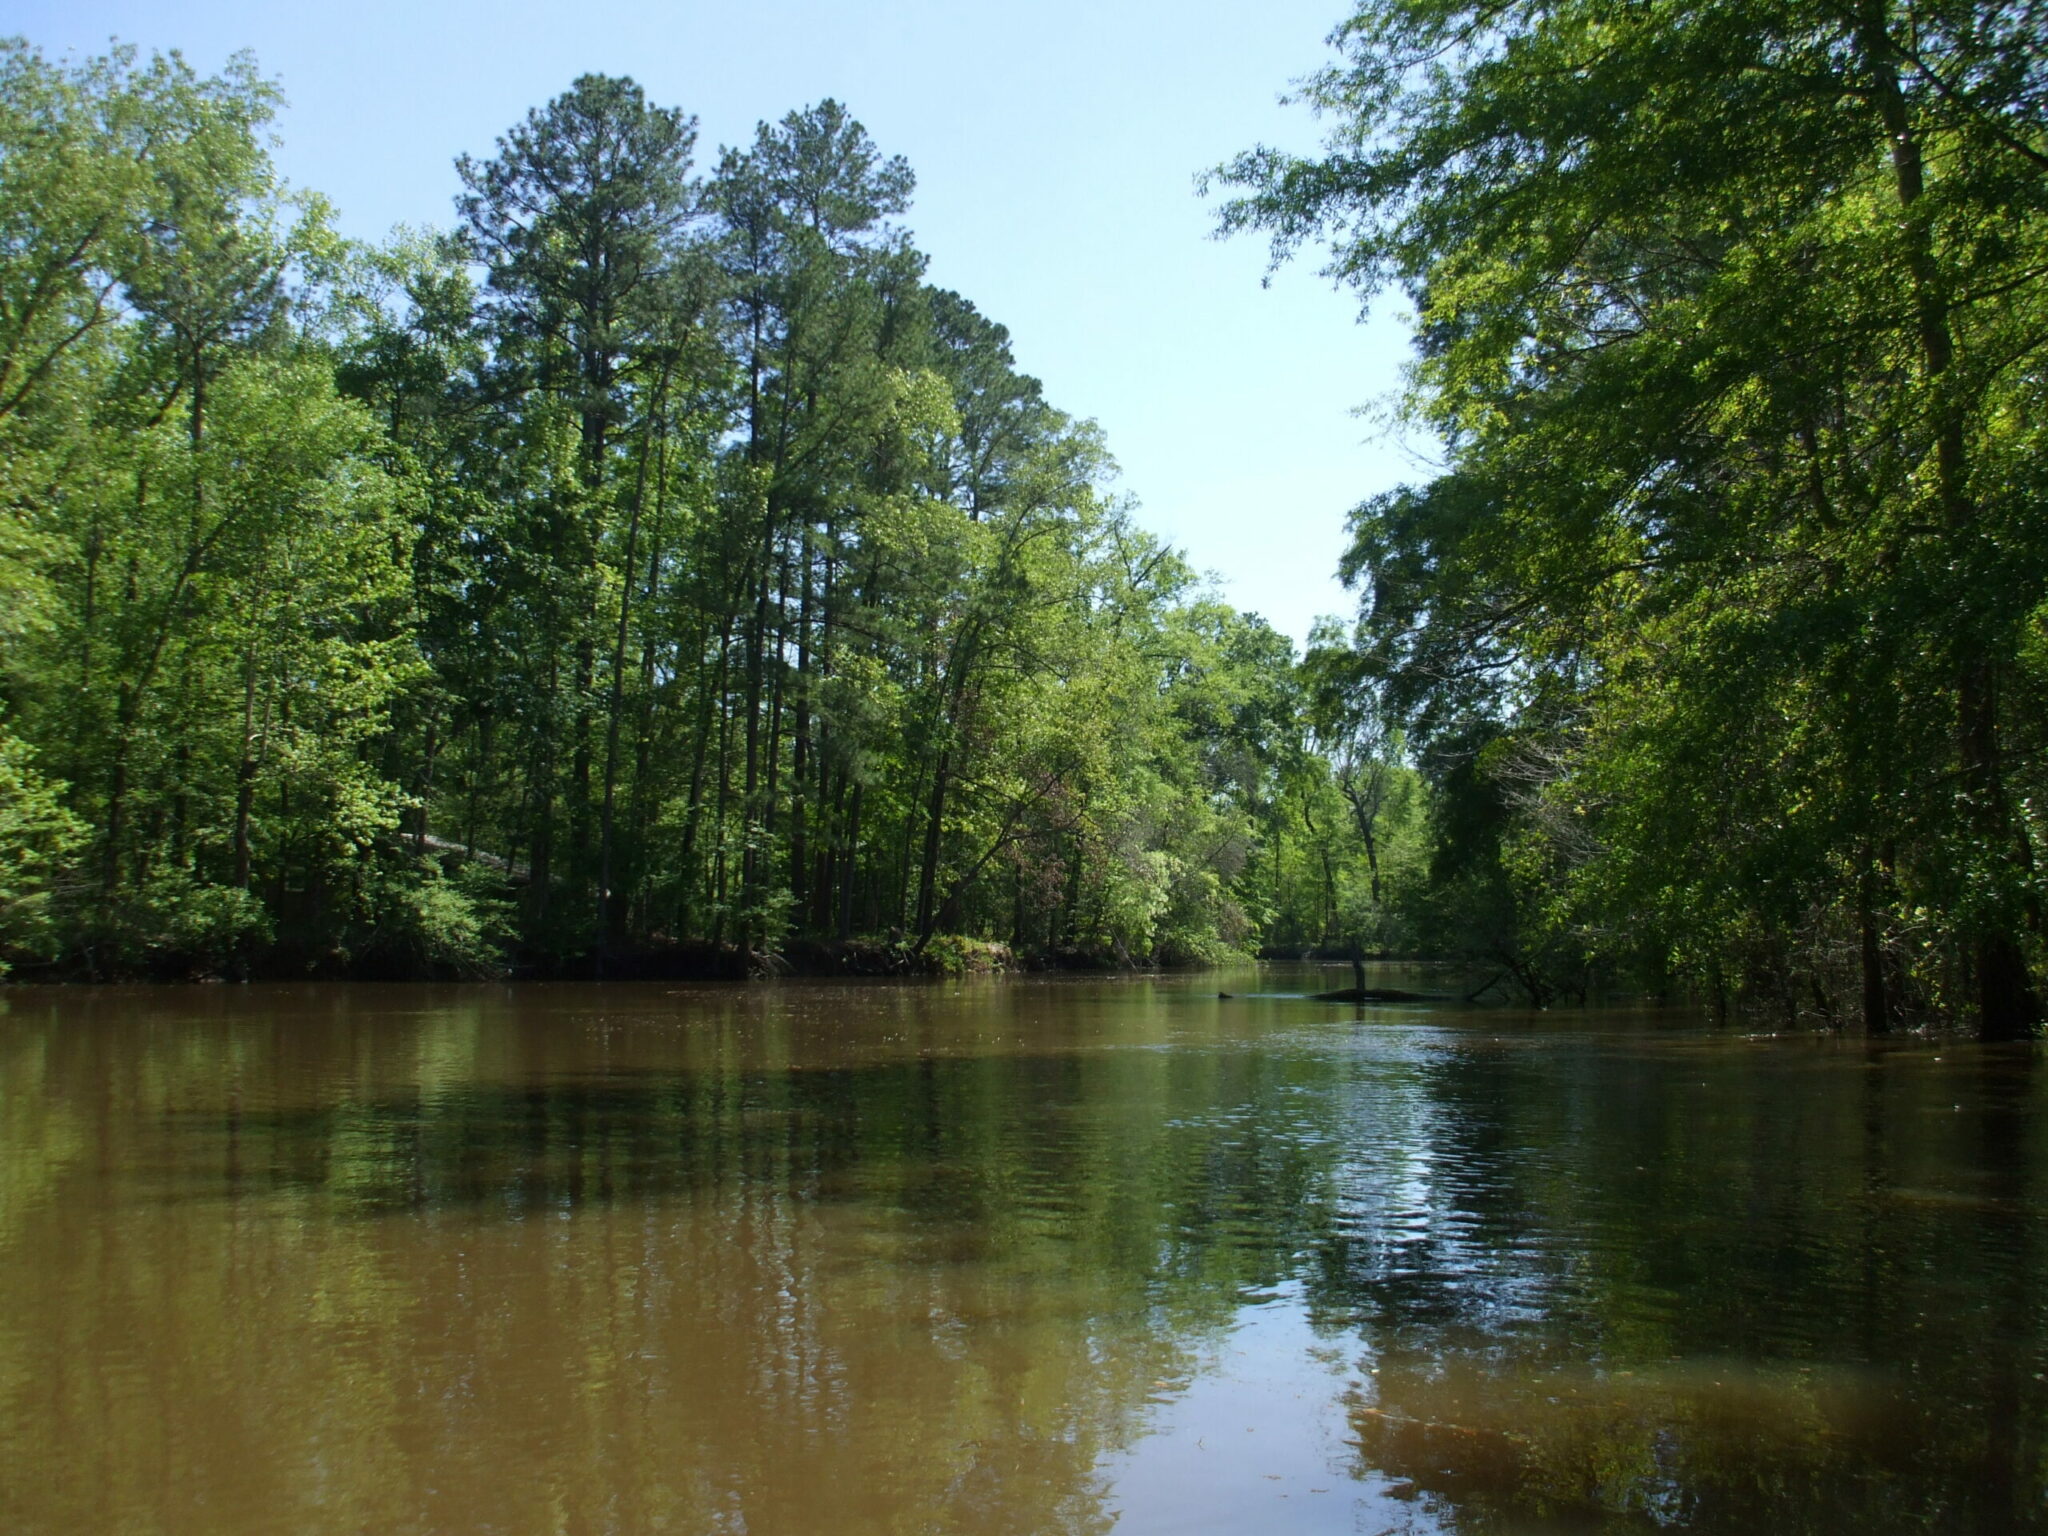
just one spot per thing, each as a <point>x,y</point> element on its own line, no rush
<point>1055,145</point>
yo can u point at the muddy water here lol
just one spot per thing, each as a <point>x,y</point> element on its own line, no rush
<point>1004,1257</point>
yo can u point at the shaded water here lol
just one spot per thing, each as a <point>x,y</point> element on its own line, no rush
<point>1004,1257</point>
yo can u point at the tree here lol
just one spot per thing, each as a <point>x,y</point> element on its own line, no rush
<point>668,563</point>
<point>1726,314</point>
<point>580,221</point>
<point>217,622</point>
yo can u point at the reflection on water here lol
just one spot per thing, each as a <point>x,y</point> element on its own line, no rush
<point>1003,1257</point>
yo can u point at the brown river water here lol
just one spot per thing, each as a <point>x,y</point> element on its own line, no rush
<point>1005,1256</point>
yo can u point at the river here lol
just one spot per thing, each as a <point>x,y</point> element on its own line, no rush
<point>1005,1256</point>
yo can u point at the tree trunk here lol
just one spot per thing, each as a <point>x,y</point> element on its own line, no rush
<point>1877,1011</point>
<point>800,745</point>
<point>850,865</point>
<point>615,704</point>
<point>245,770</point>
<point>2006,1002</point>
<point>928,870</point>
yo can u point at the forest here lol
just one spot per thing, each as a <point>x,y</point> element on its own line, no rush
<point>651,573</point>
<point>1722,636</point>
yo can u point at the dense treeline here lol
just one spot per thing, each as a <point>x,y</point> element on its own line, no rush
<point>653,570</point>
<point>1722,638</point>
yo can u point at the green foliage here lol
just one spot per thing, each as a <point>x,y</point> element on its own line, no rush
<point>416,920</point>
<point>1730,320</point>
<point>951,954</point>
<point>37,836</point>
<point>660,555</point>
<point>216,618</point>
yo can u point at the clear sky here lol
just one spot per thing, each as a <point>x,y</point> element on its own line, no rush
<point>1055,144</point>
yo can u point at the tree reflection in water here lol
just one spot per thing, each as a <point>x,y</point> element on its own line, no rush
<point>1631,1281</point>
<point>900,1259</point>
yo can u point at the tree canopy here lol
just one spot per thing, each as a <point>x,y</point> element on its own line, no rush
<point>1729,600</point>
<point>653,571</point>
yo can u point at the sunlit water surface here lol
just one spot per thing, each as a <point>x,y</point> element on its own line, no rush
<point>1008,1256</point>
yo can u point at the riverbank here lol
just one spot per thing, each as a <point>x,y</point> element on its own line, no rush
<point>690,960</point>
